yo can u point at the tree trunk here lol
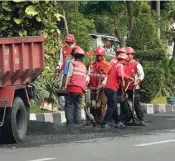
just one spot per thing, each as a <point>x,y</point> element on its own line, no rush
<point>65,22</point>
<point>117,34</point>
<point>131,16</point>
<point>158,14</point>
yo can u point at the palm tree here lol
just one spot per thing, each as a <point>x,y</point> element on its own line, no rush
<point>171,16</point>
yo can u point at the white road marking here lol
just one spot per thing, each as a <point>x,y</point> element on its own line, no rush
<point>43,159</point>
<point>154,143</point>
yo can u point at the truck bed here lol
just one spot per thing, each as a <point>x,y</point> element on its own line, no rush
<point>21,59</point>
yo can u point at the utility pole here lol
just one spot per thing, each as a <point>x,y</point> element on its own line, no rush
<point>158,14</point>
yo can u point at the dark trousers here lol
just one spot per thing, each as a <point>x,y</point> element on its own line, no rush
<point>73,100</point>
<point>111,112</point>
<point>73,110</point>
<point>125,113</point>
<point>137,105</point>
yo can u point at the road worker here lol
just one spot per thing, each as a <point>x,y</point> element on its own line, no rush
<point>71,58</point>
<point>107,46</point>
<point>118,51</point>
<point>64,55</point>
<point>135,70</point>
<point>75,86</point>
<point>65,72</point>
<point>116,78</point>
<point>124,109</point>
<point>98,72</point>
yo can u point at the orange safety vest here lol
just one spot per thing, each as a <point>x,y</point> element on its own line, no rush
<point>131,70</point>
<point>66,51</point>
<point>78,77</point>
<point>98,71</point>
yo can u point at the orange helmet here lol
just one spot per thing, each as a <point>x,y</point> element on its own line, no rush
<point>79,51</point>
<point>123,56</point>
<point>100,51</point>
<point>120,50</point>
<point>130,50</point>
<point>70,38</point>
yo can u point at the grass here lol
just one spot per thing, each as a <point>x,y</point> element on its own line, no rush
<point>35,108</point>
<point>159,100</point>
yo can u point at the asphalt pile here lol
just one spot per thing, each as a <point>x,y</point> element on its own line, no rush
<point>40,133</point>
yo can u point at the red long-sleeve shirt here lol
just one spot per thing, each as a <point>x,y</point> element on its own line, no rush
<point>115,76</point>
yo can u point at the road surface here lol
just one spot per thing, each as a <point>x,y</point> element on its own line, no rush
<point>47,141</point>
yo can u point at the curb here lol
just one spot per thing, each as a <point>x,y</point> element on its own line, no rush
<point>54,117</point>
<point>59,117</point>
<point>157,108</point>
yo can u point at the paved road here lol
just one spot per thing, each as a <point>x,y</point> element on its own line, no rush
<point>49,142</point>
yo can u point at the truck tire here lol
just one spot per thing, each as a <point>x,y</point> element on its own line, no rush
<point>1,136</point>
<point>15,125</point>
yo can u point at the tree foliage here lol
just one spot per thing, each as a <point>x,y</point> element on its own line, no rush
<point>152,84</point>
<point>144,32</point>
<point>27,18</point>
<point>120,18</point>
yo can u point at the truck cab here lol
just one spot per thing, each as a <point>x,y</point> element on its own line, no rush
<point>101,40</point>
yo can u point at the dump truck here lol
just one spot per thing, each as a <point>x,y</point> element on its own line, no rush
<point>21,62</point>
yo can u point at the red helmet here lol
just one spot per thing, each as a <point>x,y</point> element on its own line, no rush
<point>100,51</point>
<point>123,56</point>
<point>120,50</point>
<point>130,50</point>
<point>79,51</point>
<point>107,43</point>
<point>70,38</point>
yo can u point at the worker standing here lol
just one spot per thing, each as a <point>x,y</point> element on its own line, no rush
<point>115,60</point>
<point>98,72</point>
<point>124,108</point>
<point>65,72</point>
<point>75,86</point>
<point>116,78</point>
<point>107,46</point>
<point>70,59</point>
<point>65,53</point>
<point>135,70</point>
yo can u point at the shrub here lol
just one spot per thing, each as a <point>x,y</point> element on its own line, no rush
<point>168,67</point>
<point>152,84</point>
<point>151,55</point>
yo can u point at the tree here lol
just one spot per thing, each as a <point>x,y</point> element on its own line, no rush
<point>170,34</point>
<point>112,15</point>
<point>130,10</point>
<point>78,24</point>
<point>144,34</point>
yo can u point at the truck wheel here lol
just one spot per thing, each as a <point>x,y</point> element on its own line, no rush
<point>15,125</point>
<point>1,136</point>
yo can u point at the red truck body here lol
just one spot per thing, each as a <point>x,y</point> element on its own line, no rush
<point>21,62</point>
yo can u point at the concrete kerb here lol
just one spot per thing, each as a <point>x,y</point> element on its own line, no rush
<point>157,108</point>
<point>59,117</point>
<point>54,117</point>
